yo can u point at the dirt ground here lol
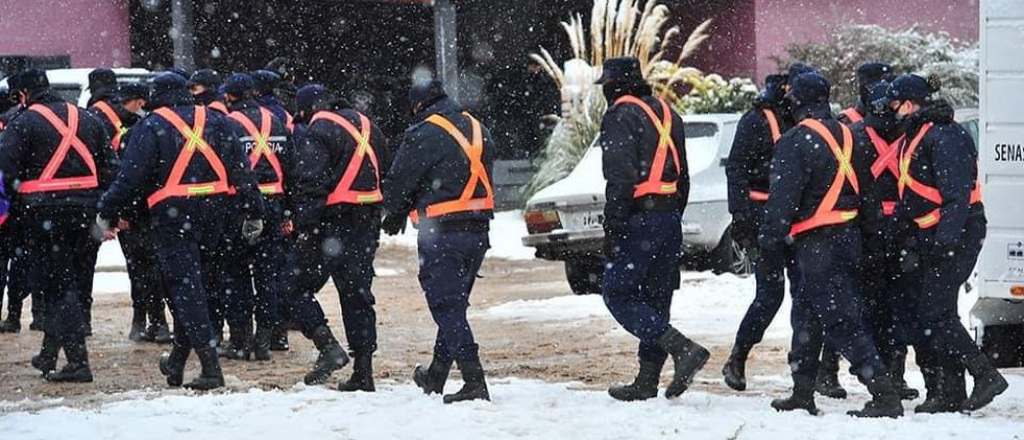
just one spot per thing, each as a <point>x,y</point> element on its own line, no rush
<point>582,353</point>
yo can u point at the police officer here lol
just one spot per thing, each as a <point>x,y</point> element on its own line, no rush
<point>265,82</point>
<point>868,75</point>
<point>205,85</point>
<point>747,172</point>
<point>58,159</point>
<point>443,171</point>
<point>813,203</point>
<point>876,150</point>
<point>336,194</point>
<point>186,160</point>
<point>942,222</point>
<point>267,143</point>
<point>10,273</point>
<point>648,186</point>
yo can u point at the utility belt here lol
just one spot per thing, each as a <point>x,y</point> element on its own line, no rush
<point>445,226</point>
<point>656,203</point>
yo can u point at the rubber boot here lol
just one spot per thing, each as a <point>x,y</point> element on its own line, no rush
<point>158,330</point>
<point>885,402</point>
<point>238,345</point>
<point>279,338</point>
<point>988,384</point>
<point>644,387</point>
<point>211,376</point>
<point>688,358</point>
<point>77,369</point>
<point>947,390</point>
<point>735,370</point>
<point>12,324</point>
<point>802,398</point>
<point>38,312</point>
<point>172,364</point>
<point>432,379</point>
<point>87,326</point>
<point>137,333</point>
<point>827,383</point>
<point>46,360</point>
<point>260,349</point>
<point>475,386</point>
<point>896,367</point>
<point>362,374</point>
<point>332,357</point>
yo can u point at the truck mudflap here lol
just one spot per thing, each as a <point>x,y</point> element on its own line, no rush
<point>999,330</point>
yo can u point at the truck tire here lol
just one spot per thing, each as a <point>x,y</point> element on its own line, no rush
<point>585,275</point>
<point>1004,345</point>
<point>730,257</point>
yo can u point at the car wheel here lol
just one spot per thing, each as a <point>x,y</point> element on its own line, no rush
<point>1004,345</point>
<point>585,275</point>
<point>730,257</point>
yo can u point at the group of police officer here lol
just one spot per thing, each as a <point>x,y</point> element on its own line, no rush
<point>231,210</point>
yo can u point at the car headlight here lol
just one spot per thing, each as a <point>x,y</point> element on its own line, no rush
<point>541,222</point>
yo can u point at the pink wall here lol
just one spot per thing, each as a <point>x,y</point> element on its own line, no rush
<point>781,22</point>
<point>93,32</point>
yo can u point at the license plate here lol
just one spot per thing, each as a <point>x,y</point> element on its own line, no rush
<point>582,220</point>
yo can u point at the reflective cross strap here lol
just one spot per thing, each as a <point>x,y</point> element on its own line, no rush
<point>888,154</point>
<point>193,142</point>
<point>758,196</point>
<point>119,128</point>
<point>773,124</point>
<point>289,122</point>
<point>343,192</point>
<point>262,150</point>
<point>47,181</point>
<point>477,172</point>
<point>929,193</point>
<point>654,183</point>
<point>218,106</point>
<point>853,115</point>
<point>826,214</point>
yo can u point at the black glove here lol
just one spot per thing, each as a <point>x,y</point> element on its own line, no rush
<point>251,229</point>
<point>744,230</point>
<point>614,235</point>
<point>394,224</point>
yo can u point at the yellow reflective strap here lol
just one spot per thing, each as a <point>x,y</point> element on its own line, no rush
<point>200,190</point>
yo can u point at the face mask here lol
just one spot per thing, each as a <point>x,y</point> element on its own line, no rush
<point>611,91</point>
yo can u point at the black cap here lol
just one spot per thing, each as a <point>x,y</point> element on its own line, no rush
<point>909,87</point>
<point>180,71</point>
<point>238,84</point>
<point>622,69</point>
<point>809,88</point>
<point>773,88</point>
<point>208,78</point>
<point>309,95</point>
<point>264,81</point>
<point>132,91</point>
<point>168,82</point>
<point>871,73</point>
<point>101,78</point>
<point>426,91</point>
<point>797,69</point>
<point>30,80</point>
<point>877,95</point>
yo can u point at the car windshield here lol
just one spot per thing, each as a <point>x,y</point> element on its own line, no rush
<point>70,92</point>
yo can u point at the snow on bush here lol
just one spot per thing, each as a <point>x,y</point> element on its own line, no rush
<point>908,50</point>
<point>713,94</point>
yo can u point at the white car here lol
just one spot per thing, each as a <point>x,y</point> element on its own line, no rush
<point>564,219</point>
<point>73,84</point>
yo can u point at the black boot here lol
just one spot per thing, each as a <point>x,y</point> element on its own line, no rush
<point>688,358</point>
<point>77,369</point>
<point>279,338</point>
<point>137,333</point>
<point>10,325</point>
<point>46,360</point>
<point>432,379</point>
<point>211,377</point>
<point>475,387</point>
<point>362,374</point>
<point>159,333</point>
<point>946,390</point>
<point>896,367</point>
<point>988,384</point>
<point>87,325</point>
<point>802,398</point>
<point>735,370</point>
<point>261,345</point>
<point>332,357</point>
<point>644,387</point>
<point>172,364</point>
<point>827,383</point>
<point>238,347</point>
<point>885,402</point>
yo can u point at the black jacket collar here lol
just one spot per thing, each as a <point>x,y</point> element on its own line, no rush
<point>445,106</point>
<point>819,110</point>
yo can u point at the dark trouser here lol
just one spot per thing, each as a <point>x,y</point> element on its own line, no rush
<point>770,270</point>
<point>254,281</point>
<point>348,247</point>
<point>301,272</point>
<point>148,289</point>
<point>449,263</point>
<point>58,241</point>
<point>930,295</point>
<point>826,307</point>
<point>234,290</point>
<point>86,273</point>
<point>188,260</point>
<point>640,279</point>
<point>18,289</point>
<point>879,280</point>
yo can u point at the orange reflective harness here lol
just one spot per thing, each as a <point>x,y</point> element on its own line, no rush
<point>289,122</point>
<point>343,192</point>
<point>119,128</point>
<point>473,150</point>
<point>47,181</point>
<point>827,214</point>
<point>931,194</point>
<point>193,141</point>
<point>774,128</point>
<point>654,184</point>
<point>888,159</point>
<point>262,150</point>
<point>219,106</point>
<point>853,115</point>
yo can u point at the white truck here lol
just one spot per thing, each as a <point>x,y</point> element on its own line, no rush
<point>998,316</point>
